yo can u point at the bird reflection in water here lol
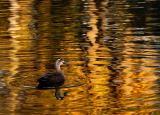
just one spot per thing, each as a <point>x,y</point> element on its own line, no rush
<point>54,80</point>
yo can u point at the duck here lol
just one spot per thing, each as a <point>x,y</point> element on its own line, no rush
<point>50,80</point>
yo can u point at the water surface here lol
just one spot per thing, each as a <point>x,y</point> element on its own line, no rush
<point>112,47</point>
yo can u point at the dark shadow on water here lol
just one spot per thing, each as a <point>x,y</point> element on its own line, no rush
<point>59,94</point>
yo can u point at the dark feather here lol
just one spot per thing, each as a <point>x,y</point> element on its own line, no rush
<point>51,80</point>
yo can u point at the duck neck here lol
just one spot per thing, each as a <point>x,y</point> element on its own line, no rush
<point>58,68</point>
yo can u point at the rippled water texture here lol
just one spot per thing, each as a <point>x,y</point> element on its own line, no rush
<point>112,47</point>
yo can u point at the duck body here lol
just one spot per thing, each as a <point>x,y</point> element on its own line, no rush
<point>50,80</point>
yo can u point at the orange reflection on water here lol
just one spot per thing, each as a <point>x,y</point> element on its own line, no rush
<point>138,79</point>
<point>114,81</point>
<point>20,42</point>
<point>97,76</point>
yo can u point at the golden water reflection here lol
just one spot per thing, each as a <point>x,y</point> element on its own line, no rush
<point>116,59</point>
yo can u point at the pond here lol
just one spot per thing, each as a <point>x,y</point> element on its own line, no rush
<point>112,47</point>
